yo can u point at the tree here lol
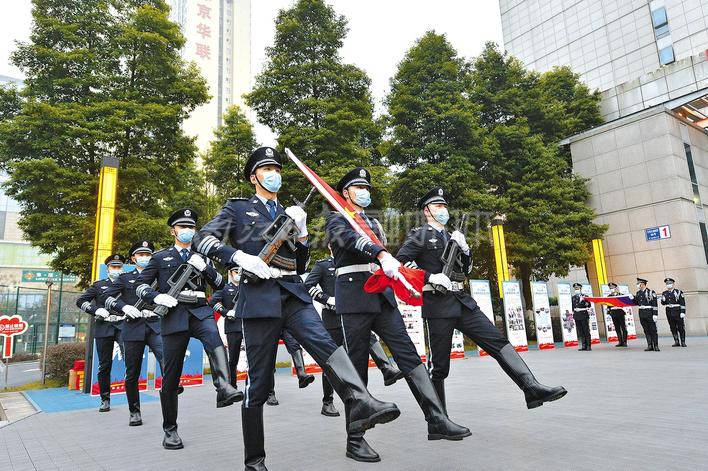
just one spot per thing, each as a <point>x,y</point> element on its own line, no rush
<point>227,155</point>
<point>103,79</point>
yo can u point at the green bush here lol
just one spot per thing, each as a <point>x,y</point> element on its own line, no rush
<point>60,359</point>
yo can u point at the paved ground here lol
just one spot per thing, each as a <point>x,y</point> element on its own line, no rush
<point>626,410</point>
<point>20,373</point>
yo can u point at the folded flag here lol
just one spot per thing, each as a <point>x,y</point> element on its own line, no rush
<point>612,301</point>
<point>378,282</point>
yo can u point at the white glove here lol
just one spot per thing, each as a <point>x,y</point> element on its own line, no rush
<point>631,296</point>
<point>458,237</point>
<point>253,264</point>
<point>655,317</point>
<point>331,302</point>
<point>231,314</point>
<point>165,300</point>
<point>683,315</point>
<point>300,217</point>
<point>147,313</point>
<point>197,262</point>
<point>440,279</point>
<point>390,266</point>
<point>102,313</point>
<point>131,311</point>
<point>663,299</point>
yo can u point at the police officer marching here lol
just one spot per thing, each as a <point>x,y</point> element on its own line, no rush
<point>617,314</point>
<point>648,314</point>
<point>141,327</point>
<point>445,311</point>
<point>675,304</point>
<point>189,315</point>
<point>581,315</point>
<point>273,297</point>
<point>105,331</point>
<point>355,259</point>
<point>320,283</point>
<point>223,301</point>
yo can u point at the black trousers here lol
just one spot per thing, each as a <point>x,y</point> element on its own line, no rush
<point>620,324</point>
<point>291,344</point>
<point>388,325</point>
<point>261,335</point>
<point>104,349</point>
<point>582,326</point>
<point>175,345</point>
<point>677,326</point>
<point>649,326</point>
<point>472,323</point>
<point>134,361</point>
<point>234,339</point>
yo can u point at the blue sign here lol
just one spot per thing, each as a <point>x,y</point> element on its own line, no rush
<point>652,233</point>
<point>117,372</point>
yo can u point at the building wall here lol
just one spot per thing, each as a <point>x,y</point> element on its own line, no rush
<point>608,42</point>
<point>639,178</point>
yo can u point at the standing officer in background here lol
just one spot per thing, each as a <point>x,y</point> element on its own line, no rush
<point>455,309</point>
<point>189,316</point>
<point>273,297</point>
<point>320,283</point>
<point>105,332</point>
<point>141,328</point>
<point>581,315</point>
<point>648,314</point>
<point>295,350</point>
<point>675,304</point>
<point>356,258</point>
<point>224,302</point>
<point>617,314</point>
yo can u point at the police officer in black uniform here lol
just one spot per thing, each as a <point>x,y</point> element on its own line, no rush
<point>320,283</point>
<point>581,315</point>
<point>223,301</point>
<point>141,327</point>
<point>675,304</point>
<point>455,309</point>
<point>617,314</point>
<point>189,316</point>
<point>272,297</point>
<point>104,331</point>
<point>355,258</point>
<point>648,314</point>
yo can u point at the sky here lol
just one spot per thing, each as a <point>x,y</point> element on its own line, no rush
<point>380,32</point>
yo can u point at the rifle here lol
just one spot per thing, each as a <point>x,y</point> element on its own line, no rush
<point>140,304</point>
<point>450,257</point>
<point>177,282</point>
<point>282,230</point>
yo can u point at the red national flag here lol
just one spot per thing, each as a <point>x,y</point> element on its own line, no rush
<point>408,281</point>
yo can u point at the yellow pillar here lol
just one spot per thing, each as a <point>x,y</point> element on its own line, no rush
<point>599,256</point>
<point>105,214</point>
<point>500,252</point>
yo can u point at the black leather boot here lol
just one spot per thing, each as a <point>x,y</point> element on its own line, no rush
<point>535,392</point>
<point>365,410</point>
<point>252,426</point>
<point>135,418</point>
<point>650,345</point>
<point>328,409</point>
<point>105,405</point>
<point>440,427</point>
<point>683,340</point>
<point>272,400</point>
<point>303,378</point>
<point>439,385</point>
<point>169,402</point>
<point>676,341</point>
<point>390,372</point>
<point>655,341</point>
<point>225,393</point>
<point>358,448</point>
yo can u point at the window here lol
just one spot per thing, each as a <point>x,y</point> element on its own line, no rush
<point>666,55</point>
<point>660,22</point>
<point>697,198</point>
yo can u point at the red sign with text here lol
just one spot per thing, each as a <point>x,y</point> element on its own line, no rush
<point>9,327</point>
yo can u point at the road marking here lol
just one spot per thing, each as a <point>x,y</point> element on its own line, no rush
<point>32,369</point>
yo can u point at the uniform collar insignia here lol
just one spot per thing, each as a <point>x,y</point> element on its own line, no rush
<point>168,258</point>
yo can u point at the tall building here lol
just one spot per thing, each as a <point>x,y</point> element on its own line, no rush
<point>218,34</point>
<point>648,164</point>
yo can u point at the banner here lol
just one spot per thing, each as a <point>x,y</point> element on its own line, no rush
<point>542,315</point>
<point>117,372</point>
<point>514,314</point>
<point>586,290</point>
<point>609,325</point>
<point>458,345</point>
<point>311,365</point>
<point>414,326</point>
<point>567,321</point>
<point>193,366</point>
<point>480,291</point>
<point>629,318</point>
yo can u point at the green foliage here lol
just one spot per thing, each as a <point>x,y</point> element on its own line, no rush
<point>103,80</point>
<point>60,359</point>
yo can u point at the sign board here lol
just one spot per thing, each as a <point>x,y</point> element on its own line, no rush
<point>482,294</point>
<point>413,320</point>
<point>9,327</point>
<point>658,233</point>
<point>629,317</point>
<point>609,324</point>
<point>586,290</point>
<point>67,331</point>
<point>567,321</point>
<point>542,315</point>
<point>41,276</point>
<point>514,314</point>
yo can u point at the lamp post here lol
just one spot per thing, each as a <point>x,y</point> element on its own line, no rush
<point>46,329</point>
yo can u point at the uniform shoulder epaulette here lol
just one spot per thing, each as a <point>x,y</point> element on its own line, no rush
<point>416,229</point>
<point>238,198</point>
<point>161,251</point>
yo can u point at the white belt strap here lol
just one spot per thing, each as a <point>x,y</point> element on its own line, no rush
<point>646,307</point>
<point>456,286</point>
<point>361,268</point>
<point>279,272</point>
<point>195,294</point>
<point>673,305</point>
<point>581,309</point>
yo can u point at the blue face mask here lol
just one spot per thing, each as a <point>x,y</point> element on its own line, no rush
<point>272,181</point>
<point>142,261</point>
<point>114,274</point>
<point>185,235</point>
<point>442,216</point>
<point>362,198</point>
